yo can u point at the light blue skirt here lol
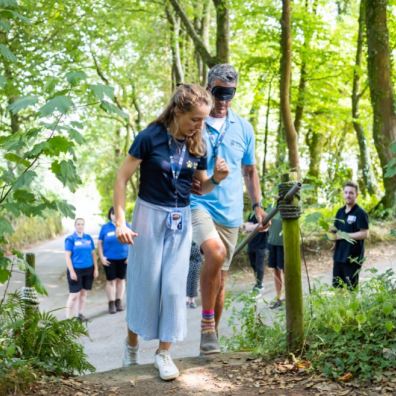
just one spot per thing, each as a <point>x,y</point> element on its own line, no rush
<point>158,263</point>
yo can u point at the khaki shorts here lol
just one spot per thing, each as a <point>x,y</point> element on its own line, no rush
<point>205,228</point>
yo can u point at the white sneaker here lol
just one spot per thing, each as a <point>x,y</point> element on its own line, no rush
<point>164,363</point>
<point>130,355</point>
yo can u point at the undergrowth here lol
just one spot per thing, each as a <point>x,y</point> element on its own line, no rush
<point>345,331</point>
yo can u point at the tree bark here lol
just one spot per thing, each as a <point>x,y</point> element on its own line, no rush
<point>379,72</point>
<point>198,42</point>
<point>223,31</point>
<point>368,184</point>
<point>177,69</point>
<point>285,77</point>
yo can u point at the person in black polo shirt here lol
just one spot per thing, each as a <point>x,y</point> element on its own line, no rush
<point>351,229</point>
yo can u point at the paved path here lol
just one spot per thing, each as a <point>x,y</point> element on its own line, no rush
<point>104,346</point>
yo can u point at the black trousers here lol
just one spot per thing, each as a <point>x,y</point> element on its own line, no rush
<point>256,258</point>
<point>347,273</point>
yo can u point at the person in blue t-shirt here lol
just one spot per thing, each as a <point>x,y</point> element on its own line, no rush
<point>81,269</point>
<point>113,256</point>
<point>216,217</point>
<point>169,152</point>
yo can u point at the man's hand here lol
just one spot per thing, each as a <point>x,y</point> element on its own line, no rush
<point>96,272</point>
<point>125,234</point>
<point>260,216</point>
<point>221,170</point>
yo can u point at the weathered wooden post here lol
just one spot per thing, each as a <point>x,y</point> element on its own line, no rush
<point>28,293</point>
<point>290,213</point>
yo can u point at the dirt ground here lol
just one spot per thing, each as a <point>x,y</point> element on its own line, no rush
<point>232,374</point>
<point>225,375</point>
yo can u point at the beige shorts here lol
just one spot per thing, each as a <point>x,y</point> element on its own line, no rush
<point>205,228</point>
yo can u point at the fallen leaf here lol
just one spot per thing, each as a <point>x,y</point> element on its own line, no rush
<point>346,377</point>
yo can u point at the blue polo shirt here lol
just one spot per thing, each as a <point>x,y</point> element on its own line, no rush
<point>112,248</point>
<point>225,202</point>
<point>81,250</point>
<point>157,185</point>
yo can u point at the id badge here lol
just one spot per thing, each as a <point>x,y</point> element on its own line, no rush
<point>175,220</point>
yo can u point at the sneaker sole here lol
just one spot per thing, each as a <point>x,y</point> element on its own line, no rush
<point>212,352</point>
<point>168,377</point>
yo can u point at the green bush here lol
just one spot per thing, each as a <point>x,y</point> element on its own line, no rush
<point>347,332</point>
<point>28,230</point>
<point>34,342</point>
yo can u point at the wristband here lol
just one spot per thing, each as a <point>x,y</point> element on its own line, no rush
<point>256,205</point>
<point>212,179</point>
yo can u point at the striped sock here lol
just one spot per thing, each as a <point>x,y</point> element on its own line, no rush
<point>208,321</point>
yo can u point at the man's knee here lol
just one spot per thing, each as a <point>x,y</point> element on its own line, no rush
<point>214,252</point>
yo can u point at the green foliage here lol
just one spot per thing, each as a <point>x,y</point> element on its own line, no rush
<point>342,322</point>
<point>37,341</point>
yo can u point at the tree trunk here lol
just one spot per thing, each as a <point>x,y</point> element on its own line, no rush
<point>223,31</point>
<point>379,72</point>
<point>177,69</point>
<point>315,142</point>
<point>266,130</point>
<point>198,43</point>
<point>285,77</point>
<point>368,178</point>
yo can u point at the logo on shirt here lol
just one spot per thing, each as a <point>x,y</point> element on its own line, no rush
<point>189,164</point>
<point>351,219</point>
<point>111,233</point>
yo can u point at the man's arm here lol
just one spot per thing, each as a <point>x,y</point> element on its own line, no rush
<point>252,183</point>
<point>357,236</point>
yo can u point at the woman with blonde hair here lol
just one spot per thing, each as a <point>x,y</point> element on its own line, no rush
<point>170,152</point>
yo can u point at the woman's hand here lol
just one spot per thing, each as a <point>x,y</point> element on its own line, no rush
<point>104,261</point>
<point>96,272</point>
<point>221,170</point>
<point>125,234</point>
<point>73,275</point>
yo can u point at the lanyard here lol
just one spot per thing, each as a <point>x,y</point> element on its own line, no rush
<point>217,142</point>
<point>176,167</point>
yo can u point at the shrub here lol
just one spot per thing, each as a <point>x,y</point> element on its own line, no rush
<point>347,332</point>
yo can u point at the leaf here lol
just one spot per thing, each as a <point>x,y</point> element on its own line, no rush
<point>74,77</point>
<point>21,103</point>
<point>387,308</point>
<point>393,147</point>
<point>389,326</point>
<point>66,172</point>
<point>313,217</point>
<point>346,377</point>
<point>4,25</point>
<point>66,209</point>
<point>57,145</point>
<point>110,108</point>
<point>5,226</point>
<point>100,91</point>
<point>36,282</point>
<point>58,103</point>
<point>12,157</point>
<point>25,180</point>
<point>7,53</point>
<point>76,136</point>
<point>3,81</point>
<point>24,196</point>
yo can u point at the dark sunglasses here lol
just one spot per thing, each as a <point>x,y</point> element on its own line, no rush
<point>223,93</point>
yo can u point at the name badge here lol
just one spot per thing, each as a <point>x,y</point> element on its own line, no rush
<point>78,243</point>
<point>174,220</point>
<point>111,233</point>
<point>351,219</point>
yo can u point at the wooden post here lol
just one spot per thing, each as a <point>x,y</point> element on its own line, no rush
<point>290,213</point>
<point>31,260</point>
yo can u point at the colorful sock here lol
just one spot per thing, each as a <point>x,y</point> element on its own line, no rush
<point>208,321</point>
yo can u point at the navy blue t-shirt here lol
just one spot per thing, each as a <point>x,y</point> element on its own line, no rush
<point>156,180</point>
<point>113,249</point>
<point>353,221</point>
<point>81,250</point>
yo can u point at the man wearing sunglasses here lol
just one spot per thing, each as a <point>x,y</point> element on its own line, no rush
<point>216,216</point>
